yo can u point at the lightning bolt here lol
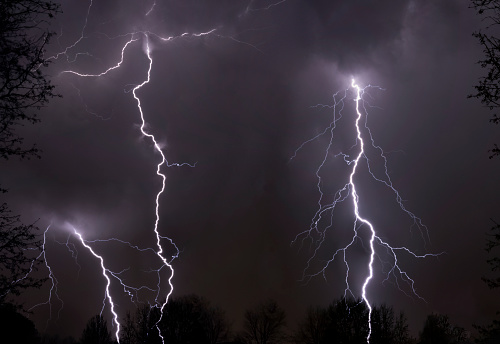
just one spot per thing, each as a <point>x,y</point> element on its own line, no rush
<point>108,283</point>
<point>163,178</point>
<point>317,234</point>
<point>132,37</point>
<point>163,162</point>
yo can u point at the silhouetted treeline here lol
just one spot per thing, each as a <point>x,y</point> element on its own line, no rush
<point>345,321</point>
<point>192,319</point>
<point>185,319</point>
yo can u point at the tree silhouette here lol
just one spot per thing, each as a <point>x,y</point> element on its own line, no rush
<point>128,333</point>
<point>191,319</point>
<point>491,332</point>
<point>488,87</point>
<point>146,319</point>
<point>96,332</point>
<point>24,34</point>
<point>401,331</point>
<point>312,330</point>
<point>216,326</point>
<point>383,325</point>
<point>56,339</point>
<point>15,327</point>
<point>186,319</point>
<point>264,324</point>
<point>488,91</point>
<point>16,242</point>
<point>141,327</point>
<point>346,321</point>
<point>492,245</point>
<point>438,330</point>
<point>387,328</point>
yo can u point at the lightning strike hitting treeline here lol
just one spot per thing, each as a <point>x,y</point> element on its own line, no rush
<point>166,263</point>
<point>161,298</point>
<point>71,54</point>
<point>363,231</point>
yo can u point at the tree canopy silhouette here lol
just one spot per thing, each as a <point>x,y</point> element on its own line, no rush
<point>189,319</point>
<point>312,329</point>
<point>15,327</point>
<point>346,321</point>
<point>488,87</point>
<point>438,330</point>
<point>24,88</point>
<point>24,35</point>
<point>16,242</point>
<point>265,323</point>
<point>96,331</point>
<point>491,332</point>
<point>492,246</point>
<point>488,91</point>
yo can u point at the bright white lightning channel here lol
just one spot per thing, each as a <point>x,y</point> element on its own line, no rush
<point>162,163</point>
<point>163,178</point>
<point>317,234</point>
<point>356,208</point>
<point>108,283</point>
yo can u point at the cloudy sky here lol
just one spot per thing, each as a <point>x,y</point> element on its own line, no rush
<point>238,102</point>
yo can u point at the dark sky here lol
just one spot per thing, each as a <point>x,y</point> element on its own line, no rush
<point>237,103</point>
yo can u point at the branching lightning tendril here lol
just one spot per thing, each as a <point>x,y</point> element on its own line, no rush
<point>317,234</point>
